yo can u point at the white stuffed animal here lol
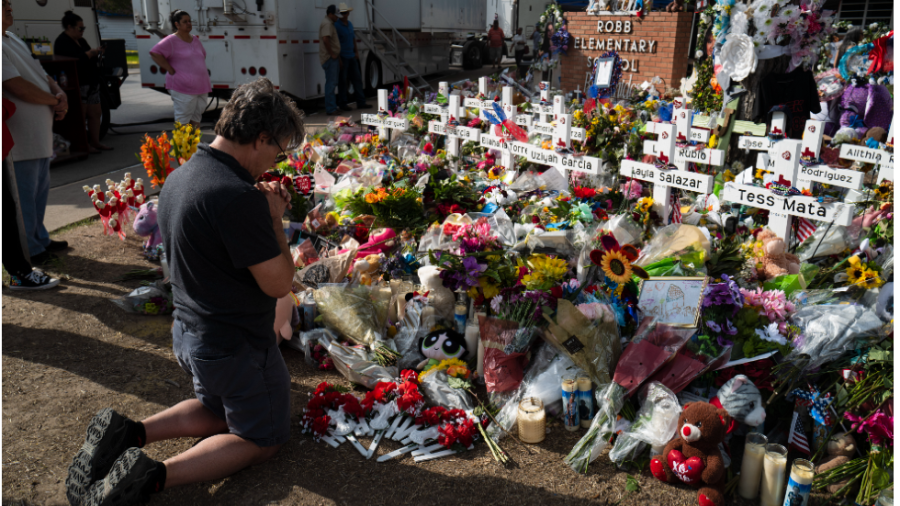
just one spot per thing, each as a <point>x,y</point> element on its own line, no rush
<point>442,298</point>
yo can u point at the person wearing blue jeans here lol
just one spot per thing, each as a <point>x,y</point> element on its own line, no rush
<point>33,180</point>
<point>350,73</point>
<point>330,57</point>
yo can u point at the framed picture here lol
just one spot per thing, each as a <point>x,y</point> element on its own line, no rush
<point>41,49</point>
<point>673,300</point>
<point>603,76</point>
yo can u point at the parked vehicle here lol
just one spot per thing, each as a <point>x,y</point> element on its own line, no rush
<point>278,39</point>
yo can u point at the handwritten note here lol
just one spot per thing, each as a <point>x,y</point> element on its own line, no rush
<point>674,301</point>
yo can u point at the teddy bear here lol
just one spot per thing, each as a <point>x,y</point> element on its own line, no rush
<point>839,450</point>
<point>693,456</point>
<point>777,261</point>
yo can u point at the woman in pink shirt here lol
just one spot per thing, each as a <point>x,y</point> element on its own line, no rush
<point>183,58</point>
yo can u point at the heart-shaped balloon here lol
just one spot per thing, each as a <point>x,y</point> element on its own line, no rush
<point>687,470</point>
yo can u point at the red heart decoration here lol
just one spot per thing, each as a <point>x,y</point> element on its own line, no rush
<point>687,470</point>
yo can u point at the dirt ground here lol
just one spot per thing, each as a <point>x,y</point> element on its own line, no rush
<point>70,352</point>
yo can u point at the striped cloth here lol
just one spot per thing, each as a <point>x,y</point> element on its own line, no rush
<point>676,207</point>
<point>805,229</point>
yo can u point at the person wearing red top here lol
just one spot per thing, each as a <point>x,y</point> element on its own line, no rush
<point>21,275</point>
<point>495,43</point>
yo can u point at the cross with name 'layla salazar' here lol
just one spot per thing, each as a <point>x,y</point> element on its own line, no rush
<point>876,153</point>
<point>666,173</point>
<point>686,152</point>
<point>383,119</point>
<point>450,127</point>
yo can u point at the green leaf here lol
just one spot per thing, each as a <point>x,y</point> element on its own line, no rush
<point>631,484</point>
<point>459,383</point>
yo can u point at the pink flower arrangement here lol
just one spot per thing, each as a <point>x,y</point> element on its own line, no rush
<point>879,426</point>
<point>771,303</point>
<point>632,189</point>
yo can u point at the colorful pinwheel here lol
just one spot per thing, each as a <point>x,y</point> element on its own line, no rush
<point>503,126</point>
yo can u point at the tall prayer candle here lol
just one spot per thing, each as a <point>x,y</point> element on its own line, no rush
<point>774,467</point>
<point>751,467</point>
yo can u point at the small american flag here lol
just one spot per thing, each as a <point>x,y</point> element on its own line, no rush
<point>797,438</point>
<point>805,229</point>
<point>676,208</point>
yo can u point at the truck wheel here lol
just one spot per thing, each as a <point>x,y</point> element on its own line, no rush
<point>374,76</point>
<point>472,55</point>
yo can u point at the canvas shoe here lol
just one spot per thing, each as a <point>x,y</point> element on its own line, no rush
<point>34,280</point>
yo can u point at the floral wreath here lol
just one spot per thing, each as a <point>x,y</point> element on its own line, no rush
<point>596,92</point>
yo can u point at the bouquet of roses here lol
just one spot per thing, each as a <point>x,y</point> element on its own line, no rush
<point>331,406</point>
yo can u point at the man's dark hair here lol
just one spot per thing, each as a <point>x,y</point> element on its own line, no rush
<point>176,18</point>
<point>258,107</point>
<point>496,24</point>
<point>70,19</point>
<point>332,9</point>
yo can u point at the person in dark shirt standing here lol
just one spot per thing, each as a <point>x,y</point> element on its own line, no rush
<point>229,262</point>
<point>71,43</point>
<point>350,70</point>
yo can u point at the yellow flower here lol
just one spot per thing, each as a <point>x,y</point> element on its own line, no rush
<point>713,141</point>
<point>855,273</point>
<point>761,172</point>
<point>728,176</point>
<point>547,268</point>
<point>489,289</point>
<point>616,267</point>
<point>871,279</point>
<point>579,115</point>
<point>371,198</point>
<point>644,204</point>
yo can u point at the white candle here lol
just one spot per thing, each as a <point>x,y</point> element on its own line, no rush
<point>531,420</point>
<point>751,466</point>
<point>774,467</point>
<point>800,483</point>
<point>473,340</point>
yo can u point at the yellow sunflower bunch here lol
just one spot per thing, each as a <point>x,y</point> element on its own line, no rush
<point>644,204</point>
<point>760,173</point>
<point>545,272</point>
<point>861,275</point>
<point>579,115</point>
<point>885,191</point>
<point>184,141</point>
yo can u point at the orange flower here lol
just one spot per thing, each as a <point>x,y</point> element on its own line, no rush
<point>155,158</point>
<point>457,371</point>
<point>371,198</point>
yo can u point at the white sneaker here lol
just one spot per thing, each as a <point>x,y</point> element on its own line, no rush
<point>34,280</point>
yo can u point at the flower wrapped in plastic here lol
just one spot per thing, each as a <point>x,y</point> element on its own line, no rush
<point>592,344</point>
<point>656,421</point>
<point>357,313</point>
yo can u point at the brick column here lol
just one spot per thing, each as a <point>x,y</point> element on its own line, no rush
<point>668,33</point>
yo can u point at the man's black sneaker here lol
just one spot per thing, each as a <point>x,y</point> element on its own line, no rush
<point>126,482</point>
<point>43,258</point>
<point>107,437</point>
<point>55,246</point>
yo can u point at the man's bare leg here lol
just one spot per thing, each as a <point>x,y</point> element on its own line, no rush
<point>215,458</point>
<point>188,418</point>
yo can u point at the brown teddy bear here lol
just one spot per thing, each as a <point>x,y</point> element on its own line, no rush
<point>693,456</point>
<point>777,261</point>
<point>839,449</point>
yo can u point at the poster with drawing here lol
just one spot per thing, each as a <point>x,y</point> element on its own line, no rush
<point>673,300</point>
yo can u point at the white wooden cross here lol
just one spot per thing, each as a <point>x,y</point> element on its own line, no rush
<point>507,159</point>
<point>753,143</point>
<point>382,120</point>
<point>588,164</point>
<point>435,108</point>
<point>869,155</point>
<point>477,103</point>
<point>543,110</point>
<point>454,133</point>
<point>667,151</point>
<point>810,146</point>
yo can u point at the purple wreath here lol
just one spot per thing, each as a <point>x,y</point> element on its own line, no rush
<point>595,92</point>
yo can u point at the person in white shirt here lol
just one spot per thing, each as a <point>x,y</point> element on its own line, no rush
<point>519,46</point>
<point>39,100</point>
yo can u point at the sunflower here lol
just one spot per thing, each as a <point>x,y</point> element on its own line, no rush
<point>645,204</point>
<point>855,273</point>
<point>870,279</point>
<point>616,267</point>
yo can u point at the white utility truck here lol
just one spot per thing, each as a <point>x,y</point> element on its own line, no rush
<point>279,39</point>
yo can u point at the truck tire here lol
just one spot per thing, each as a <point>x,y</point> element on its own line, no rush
<point>472,58</point>
<point>374,75</point>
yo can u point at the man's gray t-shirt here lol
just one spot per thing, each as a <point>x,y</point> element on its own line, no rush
<point>215,224</point>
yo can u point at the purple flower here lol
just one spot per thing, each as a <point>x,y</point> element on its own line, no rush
<point>723,342</point>
<point>711,325</point>
<point>730,328</point>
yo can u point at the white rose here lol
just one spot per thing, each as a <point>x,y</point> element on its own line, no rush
<point>543,18</point>
<point>873,26</point>
<point>705,18</point>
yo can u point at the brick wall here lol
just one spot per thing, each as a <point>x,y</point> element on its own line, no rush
<point>667,33</point>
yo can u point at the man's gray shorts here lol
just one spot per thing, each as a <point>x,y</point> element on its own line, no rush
<point>248,388</point>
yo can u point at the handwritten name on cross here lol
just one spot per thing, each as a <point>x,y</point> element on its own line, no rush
<point>753,143</point>
<point>476,103</point>
<point>880,157</point>
<point>436,108</point>
<point>382,119</point>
